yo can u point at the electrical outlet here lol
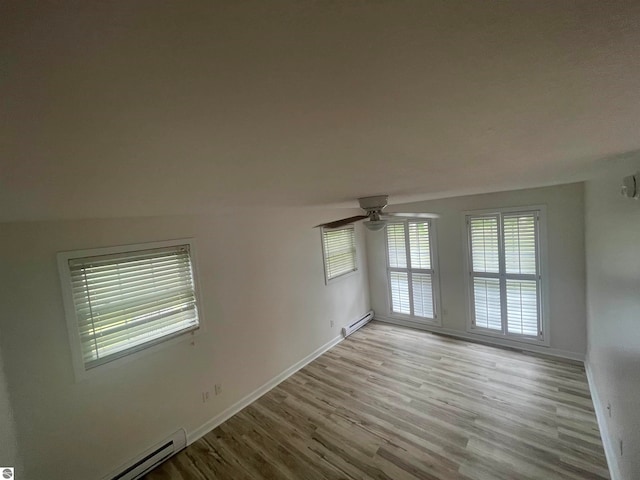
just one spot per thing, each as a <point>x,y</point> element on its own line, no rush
<point>331,322</point>
<point>205,397</point>
<point>218,388</point>
<point>609,408</point>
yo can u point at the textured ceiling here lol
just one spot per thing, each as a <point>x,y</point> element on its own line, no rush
<point>147,108</point>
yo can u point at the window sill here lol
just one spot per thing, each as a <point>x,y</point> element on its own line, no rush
<point>331,281</point>
<point>433,322</point>
<point>481,332</point>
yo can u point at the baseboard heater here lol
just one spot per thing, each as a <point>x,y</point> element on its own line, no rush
<point>361,322</point>
<point>152,457</point>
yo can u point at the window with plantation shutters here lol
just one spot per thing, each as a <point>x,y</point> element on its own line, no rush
<point>504,259</point>
<point>339,249</point>
<point>410,268</point>
<point>126,299</point>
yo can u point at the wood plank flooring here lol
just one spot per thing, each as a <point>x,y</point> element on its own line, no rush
<point>395,403</point>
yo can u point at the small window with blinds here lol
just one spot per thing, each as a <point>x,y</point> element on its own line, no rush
<point>339,250</point>
<point>505,275</point>
<point>411,271</point>
<point>125,299</point>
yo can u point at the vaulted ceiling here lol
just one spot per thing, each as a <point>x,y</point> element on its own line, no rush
<point>144,108</point>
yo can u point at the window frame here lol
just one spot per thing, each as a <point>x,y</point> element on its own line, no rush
<point>434,271</point>
<point>350,226</point>
<point>543,338</point>
<point>80,370</point>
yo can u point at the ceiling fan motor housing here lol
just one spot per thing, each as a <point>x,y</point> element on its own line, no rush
<point>372,204</point>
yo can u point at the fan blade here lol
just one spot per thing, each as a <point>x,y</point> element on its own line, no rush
<point>411,215</point>
<point>344,221</point>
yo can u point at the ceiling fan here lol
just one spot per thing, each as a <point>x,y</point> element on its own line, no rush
<point>376,219</point>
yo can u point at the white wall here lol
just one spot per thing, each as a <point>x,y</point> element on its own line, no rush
<point>8,447</point>
<point>264,302</point>
<point>613,312</point>
<point>565,226</point>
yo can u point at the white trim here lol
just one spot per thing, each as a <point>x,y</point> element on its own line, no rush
<point>81,373</point>
<point>542,260</point>
<point>494,341</point>
<point>257,393</point>
<point>610,451</point>
<point>435,266</point>
<point>496,210</point>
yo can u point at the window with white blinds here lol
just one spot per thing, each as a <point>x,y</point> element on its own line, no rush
<point>411,269</point>
<point>339,249</point>
<point>128,299</point>
<point>504,250</point>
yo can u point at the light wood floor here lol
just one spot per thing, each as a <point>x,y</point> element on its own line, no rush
<point>395,403</point>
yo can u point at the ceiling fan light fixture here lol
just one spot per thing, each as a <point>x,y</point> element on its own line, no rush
<point>375,225</point>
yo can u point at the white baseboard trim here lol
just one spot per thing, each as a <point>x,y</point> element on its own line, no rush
<point>257,393</point>
<point>498,342</point>
<point>609,448</point>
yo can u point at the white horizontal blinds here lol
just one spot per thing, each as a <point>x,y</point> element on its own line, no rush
<point>397,245</point>
<point>520,249</point>
<point>522,307</point>
<point>339,251</point>
<point>422,295</point>
<point>421,275</point>
<point>127,301</point>
<point>410,268</point>
<point>485,269</point>
<point>485,244</point>
<point>487,306</point>
<point>398,273</point>
<point>521,273</point>
<point>400,300</point>
<point>419,245</point>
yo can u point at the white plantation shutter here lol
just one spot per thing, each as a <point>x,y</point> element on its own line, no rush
<point>400,299</point>
<point>131,300</point>
<point>339,246</point>
<point>504,259</point>
<point>522,307</point>
<point>410,268</point>
<point>397,245</point>
<point>485,263</point>
<point>484,244</point>
<point>422,295</point>
<point>488,312</point>
<point>521,268</point>
<point>520,243</point>
<point>419,245</point>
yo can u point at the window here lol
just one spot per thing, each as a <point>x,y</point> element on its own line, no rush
<point>339,249</point>
<point>124,299</point>
<point>505,275</point>
<point>410,266</point>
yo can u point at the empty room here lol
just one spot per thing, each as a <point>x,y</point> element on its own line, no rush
<point>320,239</point>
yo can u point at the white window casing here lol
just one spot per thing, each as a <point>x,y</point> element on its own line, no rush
<point>122,300</point>
<point>412,272</point>
<point>506,274</point>
<point>339,252</point>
